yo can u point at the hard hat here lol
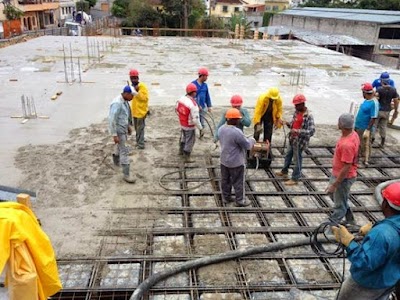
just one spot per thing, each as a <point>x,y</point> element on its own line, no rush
<point>190,88</point>
<point>392,194</point>
<point>299,98</point>
<point>134,72</point>
<point>385,75</point>
<point>233,113</point>
<point>236,100</point>
<point>367,88</point>
<point>203,71</point>
<point>273,93</point>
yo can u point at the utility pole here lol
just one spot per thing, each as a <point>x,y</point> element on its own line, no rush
<point>185,16</point>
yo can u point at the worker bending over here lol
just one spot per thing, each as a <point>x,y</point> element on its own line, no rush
<point>245,121</point>
<point>375,262</point>
<point>188,113</point>
<point>234,145</point>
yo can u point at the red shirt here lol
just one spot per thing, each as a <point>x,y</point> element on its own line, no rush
<point>297,123</point>
<point>346,151</point>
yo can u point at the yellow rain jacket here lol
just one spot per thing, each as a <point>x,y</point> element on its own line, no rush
<point>140,103</point>
<point>32,272</point>
<point>261,108</point>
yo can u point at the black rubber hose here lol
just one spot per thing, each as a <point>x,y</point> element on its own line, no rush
<point>209,260</point>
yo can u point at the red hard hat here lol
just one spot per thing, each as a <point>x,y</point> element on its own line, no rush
<point>236,100</point>
<point>203,71</point>
<point>134,72</point>
<point>299,98</point>
<point>392,194</point>
<point>190,88</point>
<point>233,113</point>
<point>367,88</point>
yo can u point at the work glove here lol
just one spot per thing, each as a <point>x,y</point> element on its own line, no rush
<point>365,229</point>
<point>342,235</point>
<point>258,128</point>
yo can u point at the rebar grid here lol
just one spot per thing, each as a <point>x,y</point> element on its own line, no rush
<point>196,223</point>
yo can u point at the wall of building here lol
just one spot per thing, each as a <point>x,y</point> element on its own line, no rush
<point>218,10</point>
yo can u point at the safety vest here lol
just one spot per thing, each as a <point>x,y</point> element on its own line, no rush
<point>186,108</point>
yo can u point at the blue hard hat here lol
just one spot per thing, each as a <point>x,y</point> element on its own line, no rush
<point>385,75</point>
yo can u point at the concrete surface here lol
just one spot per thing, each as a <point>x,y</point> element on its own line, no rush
<point>36,68</point>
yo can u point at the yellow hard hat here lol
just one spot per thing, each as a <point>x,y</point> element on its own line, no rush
<point>273,93</point>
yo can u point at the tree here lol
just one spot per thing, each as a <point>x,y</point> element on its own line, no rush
<point>11,12</point>
<point>119,8</point>
<point>182,14</point>
<point>142,14</point>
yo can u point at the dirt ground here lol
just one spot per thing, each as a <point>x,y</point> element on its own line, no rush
<point>78,187</point>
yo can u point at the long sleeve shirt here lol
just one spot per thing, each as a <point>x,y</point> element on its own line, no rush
<point>203,98</point>
<point>119,117</point>
<point>233,146</point>
<point>262,105</point>
<point>306,131</point>
<point>140,102</point>
<point>245,121</point>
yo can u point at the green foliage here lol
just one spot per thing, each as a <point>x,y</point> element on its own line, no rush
<point>119,8</point>
<point>381,4</point>
<point>83,6</point>
<point>363,4</point>
<point>266,17</point>
<point>142,14</point>
<point>12,13</point>
<point>92,3</point>
<point>172,14</point>
<point>240,18</point>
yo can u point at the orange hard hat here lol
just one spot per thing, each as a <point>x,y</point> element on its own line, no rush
<point>134,72</point>
<point>203,71</point>
<point>392,194</point>
<point>233,113</point>
<point>236,100</point>
<point>190,88</point>
<point>298,99</point>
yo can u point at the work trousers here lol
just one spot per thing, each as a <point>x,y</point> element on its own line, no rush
<point>365,145</point>
<point>188,138</point>
<point>232,177</point>
<point>351,290</point>
<point>122,150</point>
<point>268,124</point>
<point>340,196</point>
<point>381,123</point>
<point>139,124</point>
<point>294,152</point>
<point>202,114</point>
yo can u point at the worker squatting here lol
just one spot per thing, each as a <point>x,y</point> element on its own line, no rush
<point>376,261</point>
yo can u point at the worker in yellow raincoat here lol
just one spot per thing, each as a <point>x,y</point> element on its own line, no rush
<point>32,272</point>
<point>139,107</point>
<point>268,113</point>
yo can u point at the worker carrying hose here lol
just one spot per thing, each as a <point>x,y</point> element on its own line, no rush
<point>188,113</point>
<point>366,116</point>
<point>233,158</point>
<point>344,169</point>
<point>268,114</point>
<point>120,121</point>
<point>375,262</point>
<point>245,121</point>
<point>302,128</point>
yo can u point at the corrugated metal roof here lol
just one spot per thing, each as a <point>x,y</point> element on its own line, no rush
<point>363,15</point>
<point>315,37</point>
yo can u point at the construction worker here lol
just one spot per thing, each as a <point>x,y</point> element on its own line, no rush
<point>203,98</point>
<point>233,158</point>
<point>375,262</point>
<point>344,169</point>
<point>386,95</point>
<point>120,121</point>
<point>139,107</point>
<point>188,113</point>
<point>245,121</point>
<point>267,114</point>
<point>302,128</point>
<point>366,116</point>
<point>378,82</point>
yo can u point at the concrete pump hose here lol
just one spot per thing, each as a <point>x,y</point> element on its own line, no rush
<point>209,260</point>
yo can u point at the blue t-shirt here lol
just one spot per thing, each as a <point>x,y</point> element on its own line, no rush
<point>368,110</point>
<point>203,98</point>
<point>377,83</point>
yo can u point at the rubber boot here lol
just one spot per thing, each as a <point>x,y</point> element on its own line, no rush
<point>181,146</point>
<point>115,159</point>
<point>127,178</point>
<point>383,142</point>
<point>186,157</point>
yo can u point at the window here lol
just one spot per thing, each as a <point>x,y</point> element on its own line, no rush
<point>389,33</point>
<point>275,8</point>
<point>256,24</point>
<point>236,9</point>
<point>224,8</point>
<point>268,8</point>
